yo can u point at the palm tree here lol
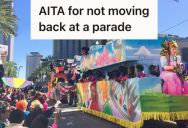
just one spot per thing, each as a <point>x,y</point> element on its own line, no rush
<point>7,18</point>
<point>10,68</point>
<point>43,69</point>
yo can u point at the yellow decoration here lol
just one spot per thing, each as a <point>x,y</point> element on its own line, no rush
<point>165,115</point>
<point>145,116</point>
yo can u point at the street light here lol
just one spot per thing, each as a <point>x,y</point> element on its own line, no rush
<point>19,69</point>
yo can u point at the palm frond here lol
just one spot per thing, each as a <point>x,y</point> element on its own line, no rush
<point>8,20</point>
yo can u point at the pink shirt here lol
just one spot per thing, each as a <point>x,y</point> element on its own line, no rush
<point>45,106</point>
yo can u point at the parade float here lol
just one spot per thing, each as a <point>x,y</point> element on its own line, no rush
<point>130,102</point>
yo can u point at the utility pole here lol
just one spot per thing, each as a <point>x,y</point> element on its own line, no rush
<point>19,70</point>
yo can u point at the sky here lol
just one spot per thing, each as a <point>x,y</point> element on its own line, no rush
<point>170,13</point>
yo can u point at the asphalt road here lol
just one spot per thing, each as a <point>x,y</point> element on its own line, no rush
<point>74,118</point>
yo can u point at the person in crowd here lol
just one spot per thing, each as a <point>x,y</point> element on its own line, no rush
<point>32,115</point>
<point>186,70</point>
<point>22,105</point>
<point>140,71</point>
<point>170,59</point>
<point>4,114</point>
<point>110,75</point>
<point>70,77</point>
<point>41,121</point>
<point>16,119</point>
<point>43,102</point>
<point>38,111</point>
<point>99,75</point>
<point>154,71</point>
<point>34,96</point>
<point>131,72</point>
<point>36,103</point>
<point>57,92</point>
<point>13,97</point>
<point>125,73</point>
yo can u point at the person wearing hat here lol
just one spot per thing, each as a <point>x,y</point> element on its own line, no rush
<point>170,59</point>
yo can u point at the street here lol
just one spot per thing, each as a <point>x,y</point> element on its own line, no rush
<point>72,117</point>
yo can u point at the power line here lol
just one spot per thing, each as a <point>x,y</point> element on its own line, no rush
<point>178,24</point>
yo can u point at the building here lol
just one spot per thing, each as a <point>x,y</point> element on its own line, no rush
<point>10,43</point>
<point>183,44</point>
<point>69,48</point>
<point>32,62</point>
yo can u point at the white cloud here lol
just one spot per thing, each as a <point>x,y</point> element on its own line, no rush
<point>143,51</point>
<point>128,47</point>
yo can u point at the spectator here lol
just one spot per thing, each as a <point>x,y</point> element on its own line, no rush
<point>40,121</point>
<point>131,72</point>
<point>43,102</point>
<point>154,70</point>
<point>16,119</point>
<point>22,105</point>
<point>4,114</point>
<point>140,71</point>
<point>32,115</point>
<point>36,103</point>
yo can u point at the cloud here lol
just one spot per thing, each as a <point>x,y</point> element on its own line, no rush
<point>143,51</point>
<point>128,47</point>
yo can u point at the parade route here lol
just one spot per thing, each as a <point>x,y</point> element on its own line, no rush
<point>72,117</point>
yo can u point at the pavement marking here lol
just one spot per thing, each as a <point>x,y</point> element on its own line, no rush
<point>69,123</point>
<point>63,118</point>
<point>71,109</point>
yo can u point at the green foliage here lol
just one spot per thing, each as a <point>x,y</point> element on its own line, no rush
<point>43,69</point>
<point>7,18</point>
<point>10,68</point>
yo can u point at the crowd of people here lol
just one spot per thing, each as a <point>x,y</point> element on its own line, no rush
<point>19,109</point>
<point>121,74</point>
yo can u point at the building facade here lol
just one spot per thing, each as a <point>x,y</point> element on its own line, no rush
<point>183,44</point>
<point>63,49</point>
<point>32,62</point>
<point>10,43</point>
